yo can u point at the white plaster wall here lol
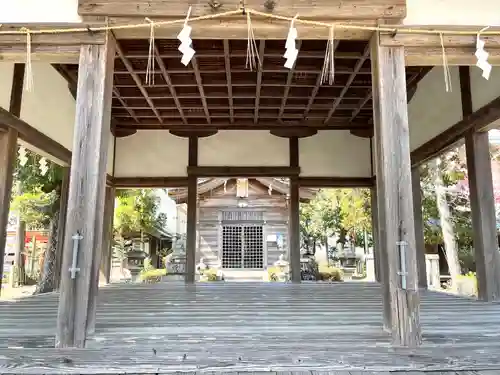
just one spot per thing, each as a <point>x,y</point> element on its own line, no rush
<point>49,107</point>
<point>452,12</point>
<point>6,76</point>
<point>151,153</point>
<point>334,153</point>
<point>39,11</point>
<point>484,91</point>
<point>432,110</point>
<point>243,148</point>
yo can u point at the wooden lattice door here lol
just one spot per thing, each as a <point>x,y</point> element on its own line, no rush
<point>242,246</point>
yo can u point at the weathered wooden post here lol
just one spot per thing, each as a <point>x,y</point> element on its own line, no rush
<point>294,217</point>
<point>482,200</point>
<point>375,234</point>
<point>107,243</point>
<point>86,193</point>
<point>419,229</point>
<point>8,147</point>
<point>394,188</point>
<point>192,203</point>
<point>63,210</point>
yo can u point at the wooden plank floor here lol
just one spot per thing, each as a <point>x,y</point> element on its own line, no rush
<point>251,327</point>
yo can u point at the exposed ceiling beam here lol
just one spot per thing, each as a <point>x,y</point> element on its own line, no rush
<point>227,63</point>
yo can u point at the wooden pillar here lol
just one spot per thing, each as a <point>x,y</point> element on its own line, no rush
<point>375,235</point>
<point>86,191</point>
<point>20,276</point>
<point>482,201</point>
<point>192,202</point>
<point>294,216</point>
<point>419,229</point>
<point>483,216</point>
<point>107,241</point>
<point>395,195</point>
<point>63,210</point>
<point>8,148</point>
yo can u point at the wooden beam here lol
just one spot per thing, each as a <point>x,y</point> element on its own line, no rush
<point>236,28</point>
<point>357,68</point>
<point>45,53</point>
<point>192,212</point>
<point>419,228</point>
<point>474,122</point>
<point>336,182</point>
<point>168,80</point>
<point>34,137</point>
<point>243,171</point>
<point>395,195</point>
<point>402,39</point>
<point>260,68</point>
<point>199,83</point>
<point>347,10</point>
<point>86,192</point>
<point>433,56</point>
<point>227,64</point>
<point>137,81</point>
<point>289,79</point>
<point>50,39</point>
<point>245,125</point>
<point>8,155</point>
<point>150,182</point>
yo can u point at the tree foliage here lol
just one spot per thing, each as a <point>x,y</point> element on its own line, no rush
<point>335,211</point>
<point>137,210</point>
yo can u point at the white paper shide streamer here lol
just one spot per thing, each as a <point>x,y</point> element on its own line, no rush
<point>482,56</point>
<point>44,167</point>
<point>291,52</point>
<point>23,157</point>
<point>186,43</point>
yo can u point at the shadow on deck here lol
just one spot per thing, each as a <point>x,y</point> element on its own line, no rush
<point>168,327</point>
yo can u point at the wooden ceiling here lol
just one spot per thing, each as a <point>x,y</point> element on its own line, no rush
<point>217,91</point>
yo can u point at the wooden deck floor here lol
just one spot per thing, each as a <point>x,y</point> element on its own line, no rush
<point>232,327</point>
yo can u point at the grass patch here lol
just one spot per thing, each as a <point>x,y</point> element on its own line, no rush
<point>152,275</point>
<point>329,273</point>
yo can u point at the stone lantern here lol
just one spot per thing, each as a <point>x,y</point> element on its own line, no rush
<point>135,262</point>
<point>283,267</point>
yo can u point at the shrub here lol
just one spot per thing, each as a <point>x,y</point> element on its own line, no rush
<point>329,273</point>
<point>273,273</point>
<point>152,275</point>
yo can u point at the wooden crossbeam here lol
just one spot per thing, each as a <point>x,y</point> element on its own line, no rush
<point>336,182</point>
<point>150,182</point>
<point>137,80</point>
<point>227,63</point>
<point>34,137</point>
<point>199,83</point>
<point>130,111</point>
<point>476,121</point>
<point>340,9</point>
<point>357,68</point>
<point>287,85</point>
<point>259,79</point>
<point>257,171</point>
<point>168,80</point>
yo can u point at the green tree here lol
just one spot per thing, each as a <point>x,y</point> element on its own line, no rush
<point>38,203</point>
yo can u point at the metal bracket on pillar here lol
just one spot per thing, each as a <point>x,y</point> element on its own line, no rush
<point>402,258</point>
<point>76,245</point>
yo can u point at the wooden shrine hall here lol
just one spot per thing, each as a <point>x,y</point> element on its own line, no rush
<point>109,99</point>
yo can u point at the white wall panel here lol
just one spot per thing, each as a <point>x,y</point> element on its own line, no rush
<point>6,76</point>
<point>433,110</point>
<point>243,148</point>
<point>335,153</point>
<point>151,153</point>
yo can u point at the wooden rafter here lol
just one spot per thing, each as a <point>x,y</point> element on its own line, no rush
<point>199,83</point>
<point>357,68</point>
<point>130,111</point>
<point>227,63</point>
<point>168,80</point>
<point>259,80</point>
<point>137,80</point>
<point>317,85</point>
<point>287,86</point>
